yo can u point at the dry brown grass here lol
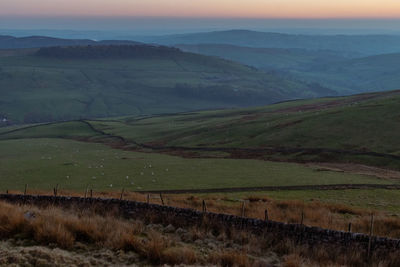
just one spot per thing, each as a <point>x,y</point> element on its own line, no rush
<point>293,260</point>
<point>230,258</point>
<point>65,228</point>
<point>334,216</point>
<point>179,255</point>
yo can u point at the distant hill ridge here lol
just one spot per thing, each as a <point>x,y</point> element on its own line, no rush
<point>10,42</point>
<point>109,51</point>
<point>364,44</point>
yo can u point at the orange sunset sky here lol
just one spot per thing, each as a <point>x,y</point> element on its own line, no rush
<point>206,8</point>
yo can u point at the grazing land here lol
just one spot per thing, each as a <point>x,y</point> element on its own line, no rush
<point>44,163</point>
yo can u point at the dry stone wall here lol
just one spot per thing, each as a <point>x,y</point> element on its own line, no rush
<point>187,217</point>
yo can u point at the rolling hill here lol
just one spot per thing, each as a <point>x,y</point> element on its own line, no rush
<point>343,72</point>
<point>366,74</point>
<point>101,81</point>
<point>284,59</point>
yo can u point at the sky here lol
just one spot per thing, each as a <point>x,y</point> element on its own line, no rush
<point>206,8</point>
<point>147,16</point>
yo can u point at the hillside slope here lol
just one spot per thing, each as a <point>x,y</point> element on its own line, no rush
<point>99,81</point>
<point>366,74</point>
<point>345,122</point>
<point>361,128</point>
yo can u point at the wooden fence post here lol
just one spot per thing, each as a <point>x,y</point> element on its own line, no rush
<point>86,191</point>
<point>243,207</point>
<point>349,228</point>
<point>91,193</point>
<point>371,232</point>
<point>162,200</point>
<point>26,187</point>
<point>266,215</point>
<point>55,190</point>
<point>122,194</point>
<point>204,206</point>
<point>148,198</point>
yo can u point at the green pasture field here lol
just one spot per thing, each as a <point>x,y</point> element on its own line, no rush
<point>44,162</point>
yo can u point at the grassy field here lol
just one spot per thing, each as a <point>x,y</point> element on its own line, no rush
<point>43,163</point>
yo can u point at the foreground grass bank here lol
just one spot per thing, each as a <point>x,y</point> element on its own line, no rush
<point>73,233</point>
